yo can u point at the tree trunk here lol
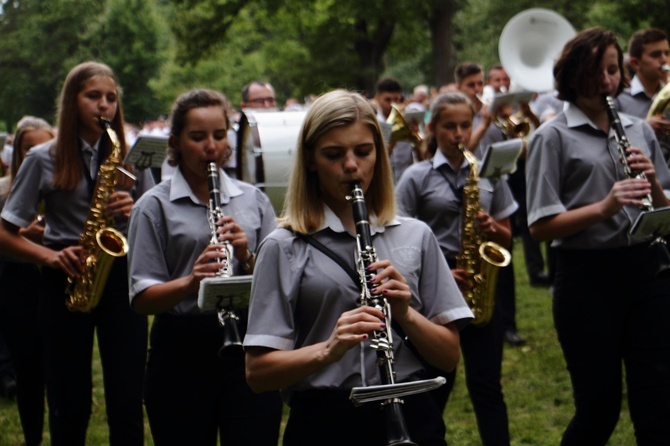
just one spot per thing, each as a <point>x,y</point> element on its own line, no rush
<point>441,35</point>
<point>370,50</point>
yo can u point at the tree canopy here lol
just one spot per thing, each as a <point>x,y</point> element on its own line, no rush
<point>160,48</point>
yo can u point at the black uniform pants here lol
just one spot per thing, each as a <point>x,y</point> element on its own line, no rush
<point>19,326</point>
<point>68,342</point>
<point>611,312</point>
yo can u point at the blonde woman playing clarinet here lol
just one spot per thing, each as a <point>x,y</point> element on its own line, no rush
<point>307,334</point>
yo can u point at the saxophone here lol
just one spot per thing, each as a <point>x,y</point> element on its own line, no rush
<point>478,257</point>
<point>232,341</point>
<point>101,243</point>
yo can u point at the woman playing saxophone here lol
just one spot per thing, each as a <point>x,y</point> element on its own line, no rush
<point>464,211</point>
<point>63,173</point>
<point>308,333</point>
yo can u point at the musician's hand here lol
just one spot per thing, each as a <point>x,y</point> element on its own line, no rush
<point>352,328</point>
<point>34,232</point>
<point>205,265</point>
<point>660,125</point>
<point>228,229</point>
<point>392,285</point>
<point>461,278</point>
<point>625,192</point>
<point>119,203</point>
<point>69,260</point>
<point>486,223</point>
<point>639,162</point>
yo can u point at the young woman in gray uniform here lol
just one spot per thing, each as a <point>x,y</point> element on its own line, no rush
<point>609,306</point>
<point>63,173</point>
<point>192,394</point>
<point>432,191</point>
<point>307,334</point>
<point>19,282</point>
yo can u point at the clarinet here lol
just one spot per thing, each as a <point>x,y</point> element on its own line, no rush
<point>232,341</point>
<point>382,340</point>
<point>659,244</point>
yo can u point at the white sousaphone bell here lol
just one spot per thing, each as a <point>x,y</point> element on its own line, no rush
<point>529,45</point>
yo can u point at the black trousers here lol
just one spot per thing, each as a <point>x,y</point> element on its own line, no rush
<point>19,326</point>
<point>610,310</point>
<point>193,395</point>
<point>482,350</point>
<point>329,418</point>
<point>68,342</point>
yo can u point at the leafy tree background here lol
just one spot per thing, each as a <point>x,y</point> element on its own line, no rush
<point>160,48</point>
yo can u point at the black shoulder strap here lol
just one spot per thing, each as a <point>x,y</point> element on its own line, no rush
<point>354,277</point>
<point>337,259</point>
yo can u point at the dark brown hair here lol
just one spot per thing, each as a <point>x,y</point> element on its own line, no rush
<point>577,69</point>
<point>186,102</point>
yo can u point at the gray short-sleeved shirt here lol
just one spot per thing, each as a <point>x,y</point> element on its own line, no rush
<point>571,163</point>
<point>65,211</point>
<point>430,191</point>
<point>298,293</point>
<point>634,101</point>
<point>169,229</point>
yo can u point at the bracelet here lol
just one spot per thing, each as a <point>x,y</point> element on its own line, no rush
<point>248,263</point>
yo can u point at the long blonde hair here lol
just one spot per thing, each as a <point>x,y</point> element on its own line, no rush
<point>304,208</point>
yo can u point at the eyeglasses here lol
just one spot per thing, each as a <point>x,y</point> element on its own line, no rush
<point>263,101</point>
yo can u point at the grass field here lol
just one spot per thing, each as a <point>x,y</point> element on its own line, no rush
<point>535,383</point>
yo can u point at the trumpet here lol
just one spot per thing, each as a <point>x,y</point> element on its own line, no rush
<point>228,320</point>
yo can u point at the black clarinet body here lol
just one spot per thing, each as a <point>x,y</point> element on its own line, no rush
<point>382,340</point>
<point>228,320</point>
<point>658,245</point>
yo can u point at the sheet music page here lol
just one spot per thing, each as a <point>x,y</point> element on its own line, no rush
<point>500,158</point>
<point>656,223</point>
<point>148,151</point>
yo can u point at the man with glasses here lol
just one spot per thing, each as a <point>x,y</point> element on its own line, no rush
<point>259,95</point>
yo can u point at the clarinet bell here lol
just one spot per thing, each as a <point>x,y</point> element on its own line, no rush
<point>232,341</point>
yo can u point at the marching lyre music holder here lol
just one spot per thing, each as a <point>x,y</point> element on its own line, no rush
<point>231,293</point>
<point>147,151</point>
<point>500,158</point>
<point>654,223</point>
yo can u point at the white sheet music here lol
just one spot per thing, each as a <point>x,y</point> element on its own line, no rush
<point>224,292</point>
<point>500,158</point>
<point>148,151</point>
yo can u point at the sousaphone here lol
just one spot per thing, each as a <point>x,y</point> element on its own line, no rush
<point>529,45</point>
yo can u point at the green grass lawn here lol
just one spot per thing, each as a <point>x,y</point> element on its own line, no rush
<point>535,383</point>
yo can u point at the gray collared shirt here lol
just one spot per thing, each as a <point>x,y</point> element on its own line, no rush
<point>298,293</point>
<point>169,229</point>
<point>634,101</point>
<point>65,211</point>
<point>571,163</point>
<point>428,191</point>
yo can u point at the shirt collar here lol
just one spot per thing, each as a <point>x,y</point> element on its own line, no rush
<point>86,147</point>
<point>179,188</point>
<point>637,88</point>
<point>439,160</point>
<point>576,118</point>
<point>333,222</point>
